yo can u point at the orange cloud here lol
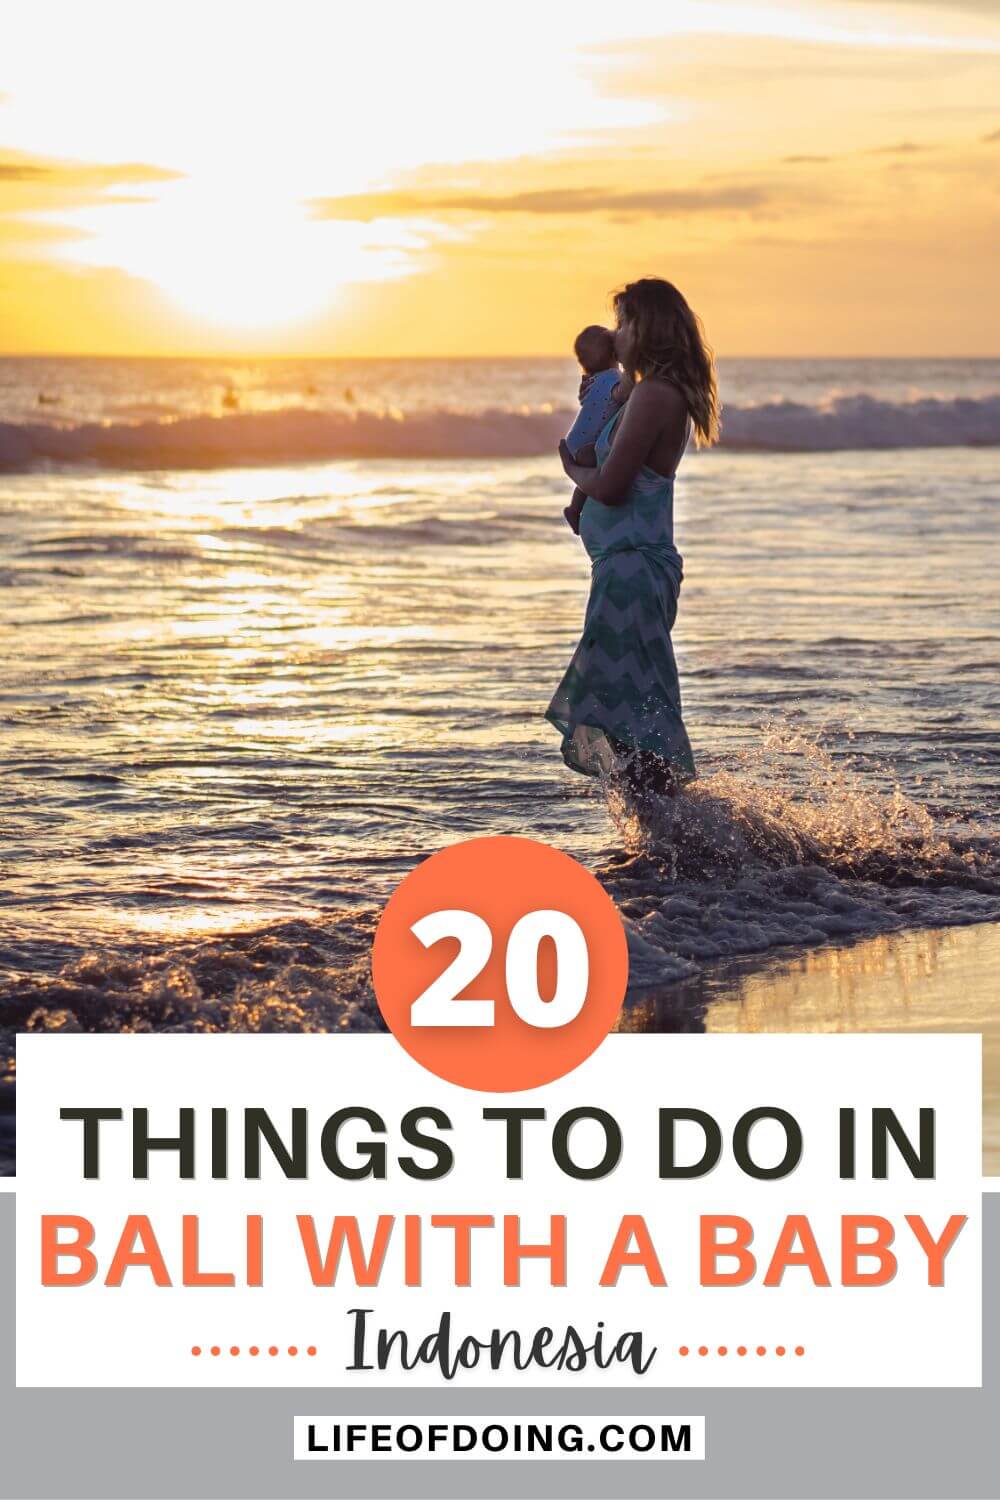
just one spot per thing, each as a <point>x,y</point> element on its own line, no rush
<point>365,207</point>
<point>55,173</point>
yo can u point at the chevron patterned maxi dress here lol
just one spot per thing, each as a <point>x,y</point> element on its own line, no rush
<point>620,693</point>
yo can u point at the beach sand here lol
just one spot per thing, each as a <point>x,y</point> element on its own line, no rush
<point>939,979</point>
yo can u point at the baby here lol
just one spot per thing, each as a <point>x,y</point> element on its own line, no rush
<point>602,390</point>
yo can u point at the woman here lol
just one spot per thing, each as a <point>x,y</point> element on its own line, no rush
<point>618,707</point>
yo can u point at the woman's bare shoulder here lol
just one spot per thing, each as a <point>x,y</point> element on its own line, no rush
<point>654,394</point>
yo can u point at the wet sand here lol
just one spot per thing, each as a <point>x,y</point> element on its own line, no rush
<point>938,979</point>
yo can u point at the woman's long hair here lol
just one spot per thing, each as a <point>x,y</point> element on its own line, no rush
<point>671,345</point>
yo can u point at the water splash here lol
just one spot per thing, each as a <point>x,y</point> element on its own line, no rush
<point>787,845</point>
<point>787,800</point>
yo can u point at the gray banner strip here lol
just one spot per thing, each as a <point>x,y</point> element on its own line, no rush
<point>760,1445</point>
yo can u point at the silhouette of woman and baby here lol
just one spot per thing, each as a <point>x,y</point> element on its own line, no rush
<point>618,706</point>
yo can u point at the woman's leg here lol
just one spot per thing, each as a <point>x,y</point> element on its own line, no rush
<point>644,772</point>
<point>657,775</point>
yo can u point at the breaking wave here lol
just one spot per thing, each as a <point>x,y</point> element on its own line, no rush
<point>299,435</point>
<point>787,847</point>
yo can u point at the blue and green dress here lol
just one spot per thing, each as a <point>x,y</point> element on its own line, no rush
<point>620,694</point>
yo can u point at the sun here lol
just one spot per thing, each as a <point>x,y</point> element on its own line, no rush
<point>243,265</point>
<point>238,255</point>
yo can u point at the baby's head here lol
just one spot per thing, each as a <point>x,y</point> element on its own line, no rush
<point>595,349</point>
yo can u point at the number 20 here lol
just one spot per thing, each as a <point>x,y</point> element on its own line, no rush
<point>438,1005</point>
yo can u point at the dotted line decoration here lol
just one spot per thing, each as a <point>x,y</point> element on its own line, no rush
<point>235,1351</point>
<point>740,1350</point>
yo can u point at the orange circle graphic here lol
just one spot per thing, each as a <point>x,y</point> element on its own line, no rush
<point>504,883</point>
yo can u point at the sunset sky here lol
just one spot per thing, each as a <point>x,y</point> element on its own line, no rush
<point>439,178</point>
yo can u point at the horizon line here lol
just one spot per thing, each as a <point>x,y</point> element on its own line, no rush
<point>560,355</point>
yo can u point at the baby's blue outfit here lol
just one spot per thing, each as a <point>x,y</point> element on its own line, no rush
<point>596,410</point>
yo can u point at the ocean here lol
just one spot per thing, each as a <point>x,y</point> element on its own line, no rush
<point>276,630</point>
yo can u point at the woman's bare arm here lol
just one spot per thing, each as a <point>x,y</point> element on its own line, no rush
<point>650,407</point>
